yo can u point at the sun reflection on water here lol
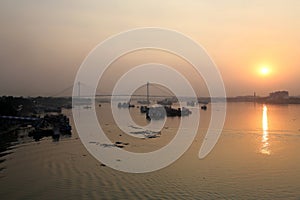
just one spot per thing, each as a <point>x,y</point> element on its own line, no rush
<point>265,149</point>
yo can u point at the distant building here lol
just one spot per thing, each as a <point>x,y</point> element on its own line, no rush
<point>279,95</point>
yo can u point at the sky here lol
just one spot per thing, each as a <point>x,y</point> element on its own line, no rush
<point>43,43</point>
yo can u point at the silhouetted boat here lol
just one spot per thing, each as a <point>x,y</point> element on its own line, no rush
<point>144,109</point>
<point>143,102</point>
<point>165,102</point>
<point>190,103</point>
<point>125,105</point>
<point>156,112</point>
<point>204,107</point>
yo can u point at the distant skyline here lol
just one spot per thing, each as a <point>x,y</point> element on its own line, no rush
<point>255,44</point>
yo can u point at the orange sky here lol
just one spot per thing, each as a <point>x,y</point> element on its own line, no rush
<point>44,42</point>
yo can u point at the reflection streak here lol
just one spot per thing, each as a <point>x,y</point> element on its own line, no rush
<point>265,136</point>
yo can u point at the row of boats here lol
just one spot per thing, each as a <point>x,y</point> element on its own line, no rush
<point>162,109</point>
<point>51,125</point>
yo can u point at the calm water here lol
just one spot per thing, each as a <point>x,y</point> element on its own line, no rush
<point>257,157</point>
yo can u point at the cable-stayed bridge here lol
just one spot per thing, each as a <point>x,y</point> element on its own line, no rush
<point>150,90</point>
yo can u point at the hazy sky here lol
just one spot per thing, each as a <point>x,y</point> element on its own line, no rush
<point>43,43</point>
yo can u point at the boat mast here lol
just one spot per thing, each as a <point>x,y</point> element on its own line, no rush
<point>148,102</point>
<point>78,89</point>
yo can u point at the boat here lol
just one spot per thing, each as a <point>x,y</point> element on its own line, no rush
<point>87,107</point>
<point>143,102</point>
<point>204,107</point>
<point>162,109</point>
<point>125,105</point>
<point>190,103</point>
<point>185,111</point>
<point>156,112</point>
<point>165,102</point>
<point>56,135</point>
<point>172,112</point>
<point>144,109</point>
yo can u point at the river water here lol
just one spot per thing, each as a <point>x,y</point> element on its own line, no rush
<point>256,157</point>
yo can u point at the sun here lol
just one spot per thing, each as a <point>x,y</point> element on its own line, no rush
<point>264,70</point>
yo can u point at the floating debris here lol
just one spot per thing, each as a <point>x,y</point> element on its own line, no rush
<point>108,145</point>
<point>121,144</point>
<point>116,144</point>
<point>151,136</point>
<point>148,133</point>
<point>135,127</point>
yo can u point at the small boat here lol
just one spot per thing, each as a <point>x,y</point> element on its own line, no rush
<point>204,107</point>
<point>144,109</point>
<point>165,102</point>
<point>87,107</point>
<point>56,135</point>
<point>185,112</point>
<point>190,103</point>
<point>143,102</point>
<point>156,112</point>
<point>125,105</point>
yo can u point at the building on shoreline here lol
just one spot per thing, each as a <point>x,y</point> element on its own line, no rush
<point>279,95</point>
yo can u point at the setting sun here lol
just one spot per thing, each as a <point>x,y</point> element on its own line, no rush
<point>265,71</point>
